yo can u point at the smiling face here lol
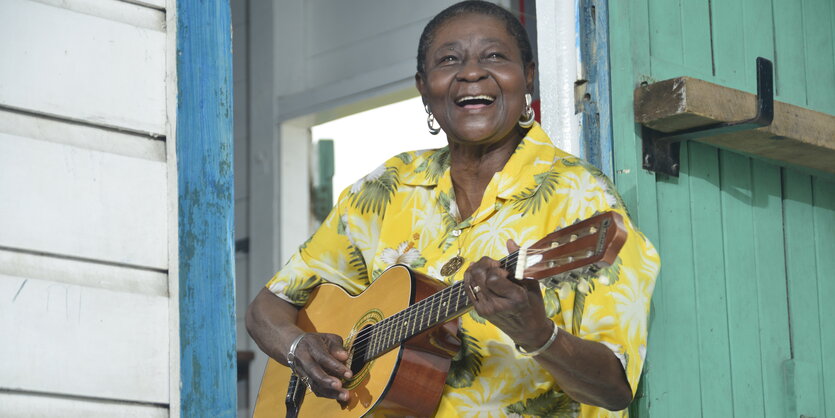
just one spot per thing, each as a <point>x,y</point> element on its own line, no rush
<point>475,80</point>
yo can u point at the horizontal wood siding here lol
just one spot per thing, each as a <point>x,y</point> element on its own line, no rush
<point>82,66</point>
<point>113,345</point>
<point>740,320</point>
<point>27,405</point>
<point>84,215</point>
<point>83,203</point>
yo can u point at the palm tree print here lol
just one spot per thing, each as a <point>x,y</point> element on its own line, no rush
<point>530,200</point>
<point>612,196</point>
<point>547,404</point>
<point>374,191</point>
<point>435,164</point>
<point>466,365</point>
<point>406,157</point>
<point>552,303</point>
<point>357,261</point>
<point>577,316</point>
<point>298,291</point>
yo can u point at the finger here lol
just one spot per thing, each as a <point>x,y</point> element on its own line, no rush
<point>323,355</point>
<point>512,245</point>
<point>471,290</point>
<point>323,384</point>
<point>531,285</point>
<point>338,352</point>
<point>496,281</point>
<point>474,278</point>
<point>335,346</point>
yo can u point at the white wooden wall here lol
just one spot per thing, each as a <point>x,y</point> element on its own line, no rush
<point>87,321</point>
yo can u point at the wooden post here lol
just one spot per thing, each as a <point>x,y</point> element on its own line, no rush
<point>206,227</point>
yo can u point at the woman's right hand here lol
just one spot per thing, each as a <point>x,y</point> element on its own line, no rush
<point>320,358</point>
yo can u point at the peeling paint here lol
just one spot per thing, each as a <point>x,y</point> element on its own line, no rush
<point>208,369</point>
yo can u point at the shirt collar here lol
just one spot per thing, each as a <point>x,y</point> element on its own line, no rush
<point>535,155</point>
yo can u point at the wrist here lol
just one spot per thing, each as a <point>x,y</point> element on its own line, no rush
<point>291,352</point>
<point>531,350</point>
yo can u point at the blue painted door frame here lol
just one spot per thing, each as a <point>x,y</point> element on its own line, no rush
<point>595,105</point>
<point>206,209</point>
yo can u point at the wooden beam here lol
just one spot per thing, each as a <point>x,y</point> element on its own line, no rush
<point>797,136</point>
<point>204,145</point>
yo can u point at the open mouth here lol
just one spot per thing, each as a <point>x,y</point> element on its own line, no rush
<point>475,102</point>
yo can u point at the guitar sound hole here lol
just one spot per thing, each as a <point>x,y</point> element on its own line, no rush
<point>360,348</point>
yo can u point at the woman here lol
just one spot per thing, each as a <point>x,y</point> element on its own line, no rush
<point>574,349</point>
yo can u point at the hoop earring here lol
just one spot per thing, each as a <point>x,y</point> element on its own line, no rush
<point>529,115</point>
<point>430,121</point>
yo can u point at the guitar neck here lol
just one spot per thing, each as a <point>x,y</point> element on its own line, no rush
<point>564,255</point>
<point>448,304</point>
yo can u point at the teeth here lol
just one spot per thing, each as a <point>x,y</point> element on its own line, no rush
<point>479,97</point>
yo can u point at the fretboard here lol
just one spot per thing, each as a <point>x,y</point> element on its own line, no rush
<point>441,307</point>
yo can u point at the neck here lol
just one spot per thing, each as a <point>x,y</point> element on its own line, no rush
<point>473,165</point>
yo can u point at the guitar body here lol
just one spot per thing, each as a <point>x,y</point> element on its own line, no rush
<point>408,380</point>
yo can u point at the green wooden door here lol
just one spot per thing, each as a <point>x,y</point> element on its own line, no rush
<point>742,313</point>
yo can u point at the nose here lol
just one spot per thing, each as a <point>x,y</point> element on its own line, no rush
<point>471,70</point>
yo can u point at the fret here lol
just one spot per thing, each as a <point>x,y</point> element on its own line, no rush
<point>407,322</point>
<point>386,333</point>
<point>437,311</point>
<point>395,322</point>
<point>458,295</point>
<point>409,325</point>
<point>417,322</point>
<point>404,326</point>
<point>422,323</point>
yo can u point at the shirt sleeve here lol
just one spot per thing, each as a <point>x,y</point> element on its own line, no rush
<point>612,306</point>
<point>330,255</point>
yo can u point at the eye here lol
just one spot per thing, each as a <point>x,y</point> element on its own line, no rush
<point>495,55</point>
<point>448,58</point>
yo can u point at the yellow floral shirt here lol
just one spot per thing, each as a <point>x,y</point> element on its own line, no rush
<point>404,212</point>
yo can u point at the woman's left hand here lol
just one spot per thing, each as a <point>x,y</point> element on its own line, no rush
<point>514,306</point>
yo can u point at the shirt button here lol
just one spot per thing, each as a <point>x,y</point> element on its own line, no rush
<point>456,232</point>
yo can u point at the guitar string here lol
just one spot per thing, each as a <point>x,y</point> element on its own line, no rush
<point>416,313</point>
<point>433,301</point>
<point>384,331</point>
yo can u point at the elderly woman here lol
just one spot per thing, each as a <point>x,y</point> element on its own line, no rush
<point>575,349</point>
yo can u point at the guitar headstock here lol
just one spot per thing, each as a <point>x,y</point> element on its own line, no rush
<point>575,250</point>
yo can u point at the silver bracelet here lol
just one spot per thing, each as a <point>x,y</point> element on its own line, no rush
<point>291,355</point>
<point>544,347</point>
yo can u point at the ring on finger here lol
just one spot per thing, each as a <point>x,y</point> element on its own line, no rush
<point>475,289</point>
<point>306,381</point>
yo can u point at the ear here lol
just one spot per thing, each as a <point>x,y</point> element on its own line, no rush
<point>420,84</point>
<point>530,75</point>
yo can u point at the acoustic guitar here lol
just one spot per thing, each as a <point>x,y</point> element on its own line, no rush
<point>400,332</point>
